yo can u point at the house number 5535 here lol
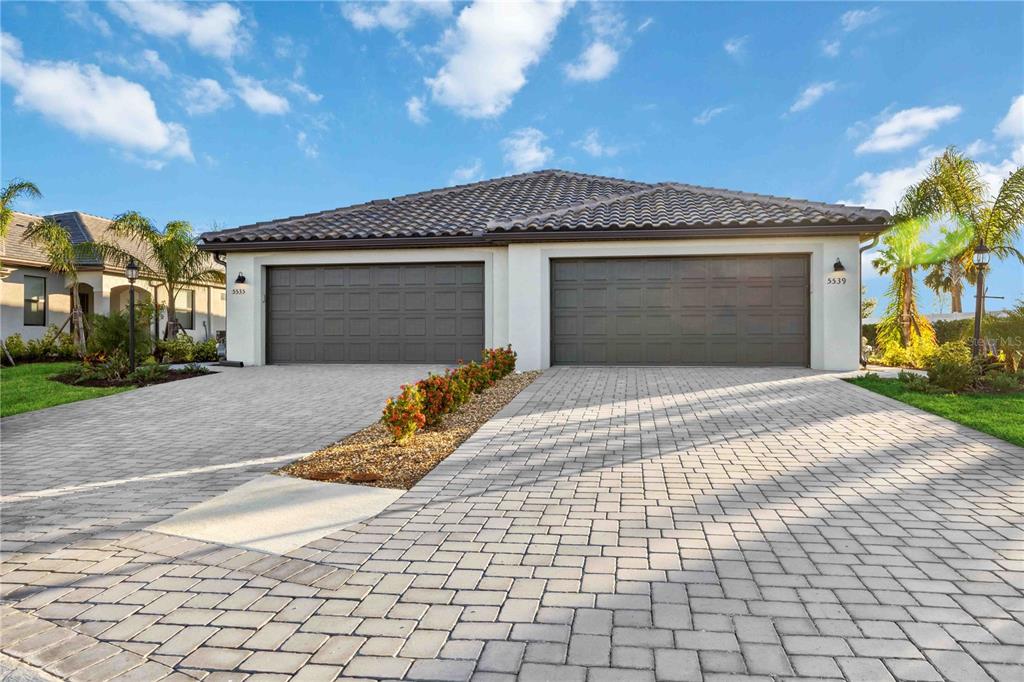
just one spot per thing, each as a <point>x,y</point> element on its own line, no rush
<point>835,280</point>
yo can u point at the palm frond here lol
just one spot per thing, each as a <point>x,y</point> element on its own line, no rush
<point>8,195</point>
<point>1005,220</point>
<point>959,182</point>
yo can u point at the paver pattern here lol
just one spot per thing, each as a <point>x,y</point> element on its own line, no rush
<point>611,524</point>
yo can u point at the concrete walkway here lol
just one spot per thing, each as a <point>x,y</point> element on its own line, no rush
<point>610,524</point>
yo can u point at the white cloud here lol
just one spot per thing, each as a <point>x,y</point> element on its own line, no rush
<point>525,151</point>
<point>607,28</point>
<point>489,50</point>
<point>307,146</point>
<point>830,48</point>
<point>736,47</point>
<point>471,172</point>
<point>1012,125</point>
<point>414,107</point>
<point>90,103</point>
<point>595,63</point>
<point>885,188</point>
<point>214,30</point>
<point>151,61</point>
<point>907,127</point>
<point>79,13</point>
<point>591,144</point>
<point>204,96</point>
<point>811,94</point>
<point>257,97</point>
<point>393,15</point>
<point>979,148</point>
<point>645,24</point>
<point>704,117</point>
<point>859,18</point>
<point>304,92</point>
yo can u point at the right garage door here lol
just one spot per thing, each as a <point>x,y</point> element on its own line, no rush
<point>715,310</point>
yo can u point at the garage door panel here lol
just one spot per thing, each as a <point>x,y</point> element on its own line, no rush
<point>728,310</point>
<point>408,312</point>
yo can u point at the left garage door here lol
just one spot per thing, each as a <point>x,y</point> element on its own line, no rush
<point>423,312</point>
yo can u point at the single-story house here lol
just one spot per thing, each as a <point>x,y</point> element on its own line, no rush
<point>34,298</point>
<point>567,268</point>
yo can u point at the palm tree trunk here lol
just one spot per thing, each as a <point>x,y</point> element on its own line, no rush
<point>906,305</point>
<point>956,288</point>
<point>77,323</point>
<point>172,320</point>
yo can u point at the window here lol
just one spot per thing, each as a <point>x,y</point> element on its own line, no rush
<point>35,301</point>
<point>185,306</point>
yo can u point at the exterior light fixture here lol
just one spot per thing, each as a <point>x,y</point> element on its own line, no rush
<point>131,271</point>
<point>982,255</point>
<point>981,258</point>
<point>240,279</point>
<point>838,266</point>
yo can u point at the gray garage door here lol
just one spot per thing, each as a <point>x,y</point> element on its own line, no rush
<point>736,310</point>
<point>431,312</point>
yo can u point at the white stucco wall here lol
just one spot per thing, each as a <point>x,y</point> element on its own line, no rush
<point>517,285</point>
<point>12,301</point>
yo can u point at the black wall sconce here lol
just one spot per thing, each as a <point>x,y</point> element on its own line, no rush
<point>838,266</point>
<point>241,279</point>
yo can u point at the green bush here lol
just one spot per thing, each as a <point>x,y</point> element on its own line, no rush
<point>148,374</point>
<point>110,334</point>
<point>54,345</point>
<point>438,397</point>
<point>912,381</point>
<point>16,348</point>
<point>206,351</point>
<point>915,355</point>
<point>1003,382</point>
<point>953,330</point>
<point>951,367</point>
<point>181,348</point>
<point>869,332</point>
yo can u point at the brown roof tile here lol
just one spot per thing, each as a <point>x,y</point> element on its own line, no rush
<point>546,201</point>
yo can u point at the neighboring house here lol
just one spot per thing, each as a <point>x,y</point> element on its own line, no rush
<point>567,268</point>
<point>34,298</point>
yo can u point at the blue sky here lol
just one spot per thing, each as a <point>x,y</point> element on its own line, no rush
<point>229,113</point>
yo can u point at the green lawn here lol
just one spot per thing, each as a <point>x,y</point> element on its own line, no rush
<point>999,415</point>
<point>26,387</point>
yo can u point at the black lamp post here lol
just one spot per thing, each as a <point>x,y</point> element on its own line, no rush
<point>981,258</point>
<point>131,271</point>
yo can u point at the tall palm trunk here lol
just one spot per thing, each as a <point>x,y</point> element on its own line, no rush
<point>172,316</point>
<point>77,319</point>
<point>956,287</point>
<point>906,304</point>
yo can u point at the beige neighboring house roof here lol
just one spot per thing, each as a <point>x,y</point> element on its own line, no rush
<point>82,227</point>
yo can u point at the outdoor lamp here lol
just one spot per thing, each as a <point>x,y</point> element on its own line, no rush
<point>240,279</point>
<point>838,266</point>
<point>131,270</point>
<point>981,255</point>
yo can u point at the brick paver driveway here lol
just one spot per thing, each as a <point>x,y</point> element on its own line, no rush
<point>611,524</point>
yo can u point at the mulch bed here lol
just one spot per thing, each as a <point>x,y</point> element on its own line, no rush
<point>370,457</point>
<point>172,375</point>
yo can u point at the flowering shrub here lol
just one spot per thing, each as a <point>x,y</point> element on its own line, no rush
<point>503,360</point>
<point>403,416</point>
<point>438,397</point>
<point>426,402</point>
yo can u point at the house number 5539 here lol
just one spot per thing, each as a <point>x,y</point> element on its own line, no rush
<point>238,291</point>
<point>835,280</point>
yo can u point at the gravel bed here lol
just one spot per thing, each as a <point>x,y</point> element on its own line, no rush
<point>370,457</point>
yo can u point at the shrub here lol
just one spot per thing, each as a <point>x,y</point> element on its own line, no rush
<point>181,348</point>
<point>206,351</point>
<point>914,355</point>
<point>148,374</point>
<point>438,397</point>
<point>1003,382</point>
<point>110,334</point>
<point>953,330</point>
<point>476,376</point>
<point>912,381</point>
<point>951,367</point>
<point>16,347</point>
<point>403,416</point>
<point>502,359</point>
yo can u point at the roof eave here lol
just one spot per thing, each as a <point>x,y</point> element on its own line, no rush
<point>501,238</point>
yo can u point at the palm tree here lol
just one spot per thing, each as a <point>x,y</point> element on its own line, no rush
<point>170,256</point>
<point>63,256</point>
<point>954,187</point>
<point>8,195</point>
<point>902,253</point>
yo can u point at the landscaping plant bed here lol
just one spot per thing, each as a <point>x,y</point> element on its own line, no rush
<point>169,376</point>
<point>371,457</point>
